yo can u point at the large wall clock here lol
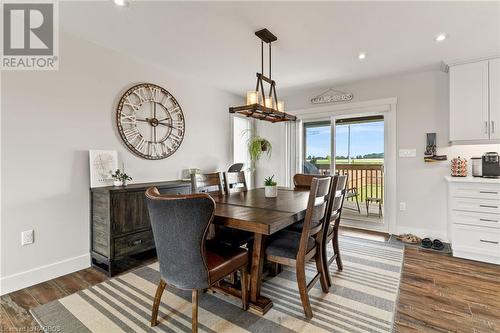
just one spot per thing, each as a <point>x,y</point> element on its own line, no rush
<point>150,121</point>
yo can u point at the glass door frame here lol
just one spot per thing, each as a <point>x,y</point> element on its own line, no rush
<point>386,107</point>
<point>360,223</point>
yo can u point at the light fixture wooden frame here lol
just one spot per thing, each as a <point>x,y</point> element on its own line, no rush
<point>262,111</point>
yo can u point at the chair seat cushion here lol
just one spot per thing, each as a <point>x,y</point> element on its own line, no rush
<point>286,243</point>
<point>222,260</point>
<point>297,226</point>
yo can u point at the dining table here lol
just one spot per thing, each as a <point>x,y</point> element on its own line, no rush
<point>253,212</point>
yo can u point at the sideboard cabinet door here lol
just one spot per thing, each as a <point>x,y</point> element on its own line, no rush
<point>469,102</point>
<point>129,212</point>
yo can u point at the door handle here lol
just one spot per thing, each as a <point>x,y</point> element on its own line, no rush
<point>488,220</point>
<point>487,241</point>
<point>136,242</point>
<point>488,206</point>
<point>485,127</point>
<point>492,126</point>
<point>488,192</point>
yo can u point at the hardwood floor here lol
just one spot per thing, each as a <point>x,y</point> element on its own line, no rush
<point>438,293</point>
<point>15,316</point>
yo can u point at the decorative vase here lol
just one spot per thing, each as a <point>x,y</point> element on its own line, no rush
<point>117,182</point>
<point>124,182</point>
<point>271,191</point>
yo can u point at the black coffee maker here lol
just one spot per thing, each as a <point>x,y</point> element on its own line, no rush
<point>491,165</point>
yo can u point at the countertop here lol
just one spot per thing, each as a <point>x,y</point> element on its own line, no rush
<point>470,179</point>
<point>140,186</point>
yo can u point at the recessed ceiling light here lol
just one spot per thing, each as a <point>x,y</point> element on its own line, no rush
<point>121,3</point>
<point>362,56</point>
<point>441,37</point>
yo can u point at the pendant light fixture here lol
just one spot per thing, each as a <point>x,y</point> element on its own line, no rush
<point>260,105</point>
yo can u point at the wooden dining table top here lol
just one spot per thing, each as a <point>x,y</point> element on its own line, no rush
<point>252,211</point>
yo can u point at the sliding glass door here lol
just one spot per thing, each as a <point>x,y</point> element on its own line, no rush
<point>317,147</point>
<point>358,146</point>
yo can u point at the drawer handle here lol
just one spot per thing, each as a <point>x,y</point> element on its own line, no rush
<point>136,242</point>
<point>487,241</point>
<point>488,192</point>
<point>488,206</point>
<point>488,220</point>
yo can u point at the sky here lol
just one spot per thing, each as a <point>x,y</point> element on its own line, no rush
<point>366,138</point>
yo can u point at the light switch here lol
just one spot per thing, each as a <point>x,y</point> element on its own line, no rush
<point>407,153</point>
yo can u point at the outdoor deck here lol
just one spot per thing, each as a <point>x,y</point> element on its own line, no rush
<point>367,180</point>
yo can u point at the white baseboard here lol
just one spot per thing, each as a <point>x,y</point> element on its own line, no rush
<point>44,273</point>
<point>422,233</point>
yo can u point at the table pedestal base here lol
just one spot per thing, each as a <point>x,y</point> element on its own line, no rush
<point>261,306</point>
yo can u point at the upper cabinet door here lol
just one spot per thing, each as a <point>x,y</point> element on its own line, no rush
<point>495,98</point>
<point>469,102</point>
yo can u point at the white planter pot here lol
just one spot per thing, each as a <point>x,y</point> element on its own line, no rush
<point>124,182</point>
<point>271,191</point>
<point>117,183</point>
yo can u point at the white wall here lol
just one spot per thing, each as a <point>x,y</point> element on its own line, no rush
<point>422,108</point>
<point>51,119</point>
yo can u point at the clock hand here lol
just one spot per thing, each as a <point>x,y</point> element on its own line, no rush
<point>167,125</point>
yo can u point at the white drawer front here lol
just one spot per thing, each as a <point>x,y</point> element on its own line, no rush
<point>475,190</point>
<point>476,205</point>
<point>476,239</point>
<point>477,219</point>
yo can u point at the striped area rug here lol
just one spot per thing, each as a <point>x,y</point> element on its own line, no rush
<point>362,299</point>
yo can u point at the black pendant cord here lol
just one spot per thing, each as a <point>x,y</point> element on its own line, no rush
<point>270,61</point>
<point>262,57</point>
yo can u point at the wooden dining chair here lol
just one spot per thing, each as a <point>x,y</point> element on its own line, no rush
<point>187,261</point>
<point>296,249</point>
<point>332,232</point>
<point>235,182</point>
<point>303,181</point>
<point>207,183</point>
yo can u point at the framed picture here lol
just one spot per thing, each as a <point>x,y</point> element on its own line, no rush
<point>102,164</point>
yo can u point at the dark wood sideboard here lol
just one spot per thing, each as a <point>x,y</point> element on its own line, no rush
<point>119,223</point>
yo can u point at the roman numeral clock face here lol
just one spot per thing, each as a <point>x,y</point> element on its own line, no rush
<point>150,121</point>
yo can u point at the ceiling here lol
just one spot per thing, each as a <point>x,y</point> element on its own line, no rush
<point>318,42</point>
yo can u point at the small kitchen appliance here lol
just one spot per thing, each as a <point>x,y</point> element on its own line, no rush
<point>477,166</point>
<point>491,165</point>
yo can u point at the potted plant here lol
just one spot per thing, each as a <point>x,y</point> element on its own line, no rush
<point>271,187</point>
<point>120,178</point>
<point>257,146</point>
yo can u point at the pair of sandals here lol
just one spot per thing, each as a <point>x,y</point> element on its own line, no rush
<point>436,244</point>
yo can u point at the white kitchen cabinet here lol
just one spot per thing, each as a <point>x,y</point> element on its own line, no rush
<point>475,102</point>
<point>494,79</point>
<point>474,218</point>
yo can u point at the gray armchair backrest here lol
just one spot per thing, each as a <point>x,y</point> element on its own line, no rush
<point>180,224</point>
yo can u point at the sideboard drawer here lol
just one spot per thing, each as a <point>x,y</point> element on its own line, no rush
<point>175,190</point>
<point>474,218</point>
<point>477,191</point>
<point>476,239</point>
<point>475,205</point>
<point>135,243</point>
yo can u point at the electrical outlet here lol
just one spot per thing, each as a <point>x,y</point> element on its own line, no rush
<point>27,237</point>
<point>402,206</point>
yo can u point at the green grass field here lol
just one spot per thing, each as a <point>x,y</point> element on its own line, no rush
<point>365,191</point>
